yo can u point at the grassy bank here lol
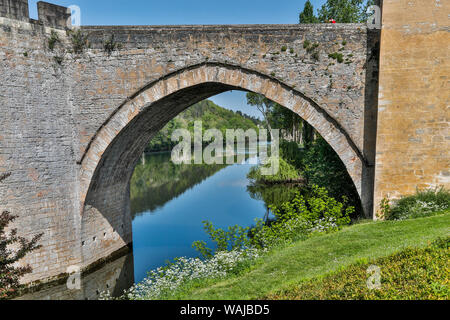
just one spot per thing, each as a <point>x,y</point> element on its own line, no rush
<point>286,268</point>
<point>412,274</point>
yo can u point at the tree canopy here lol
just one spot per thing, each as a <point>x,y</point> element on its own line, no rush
<point>342,11</point>
<point>307,15</point>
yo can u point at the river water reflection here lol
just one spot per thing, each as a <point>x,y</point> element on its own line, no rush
<point>169,203</point>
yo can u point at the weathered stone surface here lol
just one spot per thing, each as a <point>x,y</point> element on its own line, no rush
<point>52,15</point>
<point>14,9</point>
<point>113,277</point>
<point>413,147</point>
<point>74,125</point>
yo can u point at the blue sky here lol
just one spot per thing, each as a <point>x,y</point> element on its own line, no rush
<point>173,12</point>
<point>167,12</point>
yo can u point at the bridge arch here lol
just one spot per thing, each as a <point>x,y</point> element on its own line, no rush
<point>109,161</point>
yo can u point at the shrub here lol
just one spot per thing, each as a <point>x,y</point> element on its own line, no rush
<point>235,239</point>
<point>316,212</point>
<point>423,204</point>
<point>79,41</point>
<point>290,152</point>
<point>111,45</point>
<point>321,166</point>
<point>306,44</point>
<point>9,273</point>
<point>54,38</point>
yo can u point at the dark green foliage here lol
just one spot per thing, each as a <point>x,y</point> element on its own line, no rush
<point>307,15</point>
<point>344,11</point>
<point>412,274</point>
<point>211,115</point>
<point>289,122</point>
<point>283,49</point>
<point>312,48</point>
<point>305,214</point>
<point>322,166</point>
<point>422,204</point>
<point>10,274</point>
<point>53,40</point>
<point>306,44</point>
<point>290,151</point>
<point>79,40</point>
<point>110,45</point>
<point>337,56</point>
<point>295,219</point>
<point>307,134</point>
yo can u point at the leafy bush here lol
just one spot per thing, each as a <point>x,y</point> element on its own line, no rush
<point>337,56</point>
<point>422,204</point>
<point>318,212</point>
<point>53,40</point>
<point>419,274</point>
<point>79,40</point>
<point>235,239</point>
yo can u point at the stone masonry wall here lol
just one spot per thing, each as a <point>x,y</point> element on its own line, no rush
<point>37,145</point>
<point>58,108</point>
<point>413,147</point>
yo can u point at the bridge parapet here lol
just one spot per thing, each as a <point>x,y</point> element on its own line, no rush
<point>14,9</point>
<point>52,15</point>
<point>49,14</point>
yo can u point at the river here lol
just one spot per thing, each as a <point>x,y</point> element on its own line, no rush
<point>168,204</point>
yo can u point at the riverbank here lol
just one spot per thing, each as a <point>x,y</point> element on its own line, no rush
<point>287,267</point>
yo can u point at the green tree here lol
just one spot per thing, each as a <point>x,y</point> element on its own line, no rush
<point>9,273</point>
<point>283,118</point>
<point>264,105</point>
<point>345,11</point>
<point>308,135</point>
<point>322,166</point>
<point>307,15</point>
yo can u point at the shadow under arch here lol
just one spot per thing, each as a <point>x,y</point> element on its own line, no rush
<point>114,151</point>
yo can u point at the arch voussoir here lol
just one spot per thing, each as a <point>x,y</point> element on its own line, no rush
<point>230,76</point>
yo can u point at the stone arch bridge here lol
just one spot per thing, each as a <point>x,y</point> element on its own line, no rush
<point>77,111</point>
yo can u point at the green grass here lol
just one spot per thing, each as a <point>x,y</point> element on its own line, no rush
<point>412,274</point>
<point>287,267</point>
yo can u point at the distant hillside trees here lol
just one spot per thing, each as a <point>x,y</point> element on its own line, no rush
<point>212,116</point>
